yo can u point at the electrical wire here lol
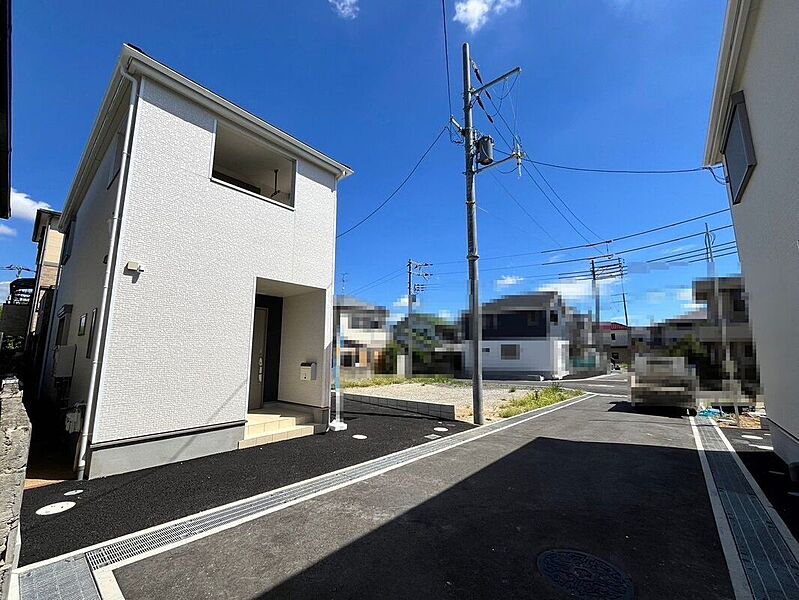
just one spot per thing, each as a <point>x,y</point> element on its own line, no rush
<point>618,171</point>
<point>399,187</point>
<point>519,204</point>
<point>453,139</point>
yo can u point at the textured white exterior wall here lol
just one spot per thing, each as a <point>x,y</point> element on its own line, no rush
<point>178,350</point>
<point>549,356</point>
<point>767,219</point>
<point>305,338</point>
<point>81,281</point>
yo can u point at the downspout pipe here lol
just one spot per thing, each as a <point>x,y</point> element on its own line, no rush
<point>99,339</point>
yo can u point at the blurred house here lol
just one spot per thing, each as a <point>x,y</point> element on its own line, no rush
<point>437,344</point>
<point>615,341</point>
<point>49,242</point>
<point>364,336</point>
<point>524,336</point>
<point>754,133</point>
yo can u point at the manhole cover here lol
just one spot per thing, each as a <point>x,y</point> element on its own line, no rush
<point>583,576</point>
<point>54,509</point>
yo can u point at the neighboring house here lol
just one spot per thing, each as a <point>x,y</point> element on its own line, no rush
<point>364,336</point>
<point>523,336</point>
<point>615,341</point>
<point>49,242</point>
<point>16,311</point>
<point>197,278</point>
<point>437,344</point>
<point>728,325</point>
<point>754,133</point>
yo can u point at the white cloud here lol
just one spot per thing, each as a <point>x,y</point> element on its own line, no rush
<point>507,281</point>
<point>693,306</point>
<point>346,9</point>
<point>579,289</point>
<point>5,230</point>
<point>655,297</point>
<point>445,314</point>
<point>555,258</point>
<point>677,249</point>
<point>476,13</point>
<point>25,207</point>
<point>401,302</point>
<point>685,294</point>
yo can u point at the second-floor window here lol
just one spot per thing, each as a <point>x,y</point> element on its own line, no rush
<point>252,165</point>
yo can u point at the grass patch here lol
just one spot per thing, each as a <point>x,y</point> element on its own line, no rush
<point>393,379</point>
<point>536,399</point>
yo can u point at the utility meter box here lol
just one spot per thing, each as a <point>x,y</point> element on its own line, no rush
<point>308,371</point>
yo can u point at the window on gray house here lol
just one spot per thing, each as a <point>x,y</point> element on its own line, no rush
<point>509,351</point>
<point>738,150</point>
<point>244,162</point>
<point>613,336</point>
<point>66,249</point>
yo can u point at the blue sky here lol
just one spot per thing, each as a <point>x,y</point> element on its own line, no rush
<point>619,84</point>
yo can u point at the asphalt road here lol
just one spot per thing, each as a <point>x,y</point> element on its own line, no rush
<point>615,383</point>
<point>474,521</point>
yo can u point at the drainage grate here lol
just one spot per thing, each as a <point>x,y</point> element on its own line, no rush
<point>584,576</point>
<point>68,579</point>
<point>170,533</point>
<point>769,564</point>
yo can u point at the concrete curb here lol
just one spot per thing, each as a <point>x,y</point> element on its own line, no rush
<point>430,409</point>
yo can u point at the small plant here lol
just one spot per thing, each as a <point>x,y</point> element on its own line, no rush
<point>536,399</point>
<point>512,389</point>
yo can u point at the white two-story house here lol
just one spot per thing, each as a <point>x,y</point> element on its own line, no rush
<point>194,311</point>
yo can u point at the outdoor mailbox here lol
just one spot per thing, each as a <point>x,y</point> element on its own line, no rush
<point>308,371</point>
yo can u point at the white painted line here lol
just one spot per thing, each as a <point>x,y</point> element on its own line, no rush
<point>440,429</point>
<point>751,437</point>
<point>535,415</point>
<point>359,436</point>
<point>786,534</point>
<point>740,584</point>
<point>776,472</point>
<point>762,447</point>
<point>73,492</point>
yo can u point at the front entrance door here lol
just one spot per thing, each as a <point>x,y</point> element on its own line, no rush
<point>258,359</point>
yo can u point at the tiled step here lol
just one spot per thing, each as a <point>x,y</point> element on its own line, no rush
<point>288,433</point>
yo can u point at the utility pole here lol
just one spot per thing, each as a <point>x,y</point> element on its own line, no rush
<point>409,364</point>
<point>626,318</point>
<point>727,366</point>
<point>412,291</point>
<point>597,325</point>
<point>470,95</point>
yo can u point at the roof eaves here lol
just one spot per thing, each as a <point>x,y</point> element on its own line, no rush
<point>218,103</point>
<point>735,21</point>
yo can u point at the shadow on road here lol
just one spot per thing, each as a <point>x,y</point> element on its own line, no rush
<point>642,508</point>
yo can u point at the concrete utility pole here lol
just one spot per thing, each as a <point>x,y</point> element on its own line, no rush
<point>467,131</point>
<point>409,365</point>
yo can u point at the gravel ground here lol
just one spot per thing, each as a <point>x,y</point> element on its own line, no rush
<point>459,395</point>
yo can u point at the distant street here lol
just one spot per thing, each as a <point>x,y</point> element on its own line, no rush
<point>614,383</point>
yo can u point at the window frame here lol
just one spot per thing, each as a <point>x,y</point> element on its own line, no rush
<point>738,108</point>
<point>90,341</point>
<point>260,141</point>
<point>517,351</point>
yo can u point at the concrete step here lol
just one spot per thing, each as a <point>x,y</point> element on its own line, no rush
<point>259,426</point>
<point>277,436</point>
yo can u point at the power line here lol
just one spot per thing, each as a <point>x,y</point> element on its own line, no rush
<point>446,65</point>
<point>379,280</point>
<point>632,235</point>
<point>519,204</point>
<point>677,239</point>
<point>549,185</point>
<point>399,187</point>
<point>618,171</point>
<point>555,206</point>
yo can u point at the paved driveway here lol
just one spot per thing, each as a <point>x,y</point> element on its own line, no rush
<point>473,520</point>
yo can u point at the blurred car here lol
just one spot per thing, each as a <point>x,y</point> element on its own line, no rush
<point>663,381</point>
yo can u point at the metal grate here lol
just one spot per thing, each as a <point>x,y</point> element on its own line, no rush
<point>770,566</point>
<point>68,579</point>
<point>135,545</point>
